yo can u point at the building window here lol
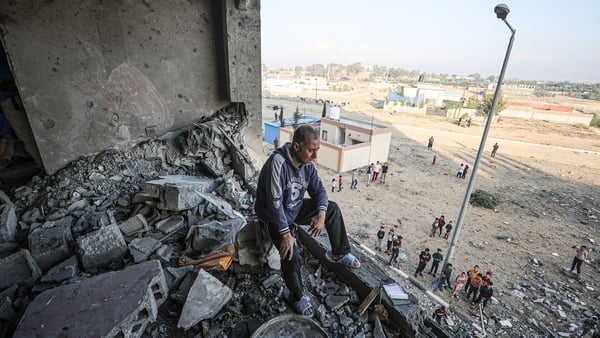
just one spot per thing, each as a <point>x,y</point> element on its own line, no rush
<point>324,138</point>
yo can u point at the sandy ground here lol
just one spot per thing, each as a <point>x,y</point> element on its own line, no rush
<point>547,178</point>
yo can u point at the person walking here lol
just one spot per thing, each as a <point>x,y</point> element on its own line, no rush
<point>376,170</point>
<point>437,258</point>
<point>441,224</point>
<point>340,184</point>
<point>380,237</point>
<point>434,227</point>
<point>460,170</point>
<point>354,182</point>
<point>581,255</point>
<point>333,185</point>
<point>470,274</point>
<point>459,282</point>
<point>449,227</point>
<point>445,277</point>
<point>476,282</point>
<point>369,173</point>
<point>434,161</point>
<point>430,143</point>
<point>495,149</point>
<point>485,293</point>
<point>287,175</point>
<point>465,170</point>
<point>390,240</point>
<point>384,170</point>
<point>396,244</point>
<point>424,258</point>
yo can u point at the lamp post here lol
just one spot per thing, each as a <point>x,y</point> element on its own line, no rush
<point>501,11</point>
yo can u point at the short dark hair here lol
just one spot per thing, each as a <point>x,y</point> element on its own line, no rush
<point>302,134</point>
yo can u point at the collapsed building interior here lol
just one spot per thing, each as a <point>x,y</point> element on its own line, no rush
<point>126,129</point>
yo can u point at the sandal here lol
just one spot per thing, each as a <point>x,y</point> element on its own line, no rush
<point>348,260</point>
<point>303,306</point>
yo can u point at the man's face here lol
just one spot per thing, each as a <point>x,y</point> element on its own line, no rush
<point>308,152</point>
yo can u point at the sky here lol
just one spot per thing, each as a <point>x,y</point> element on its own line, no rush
<point>555,40</point>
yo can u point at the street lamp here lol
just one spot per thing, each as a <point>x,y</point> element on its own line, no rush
<point>501,11</point>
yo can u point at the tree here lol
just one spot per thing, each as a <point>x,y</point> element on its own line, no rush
<point>485,106</point>
<point>281,120</point>
<point>324,114</point>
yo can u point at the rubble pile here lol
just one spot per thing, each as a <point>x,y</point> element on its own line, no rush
<point>155,241</point>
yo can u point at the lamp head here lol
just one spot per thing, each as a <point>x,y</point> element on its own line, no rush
<point>501,11</point>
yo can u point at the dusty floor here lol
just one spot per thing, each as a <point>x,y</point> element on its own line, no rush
<point>547,178</point>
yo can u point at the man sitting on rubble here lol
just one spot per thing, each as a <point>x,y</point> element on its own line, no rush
<point>280,205</point>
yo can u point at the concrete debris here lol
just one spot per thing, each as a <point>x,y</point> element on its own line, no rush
<point>134,225</point>
<point>174,276</point>
<point>142,248</point>
<point>178,192</point>
<point>63,271</point>
<point>18,268</point>
<point>214,235</point>
<point>101,247</point>
<point>49,244</point>
<point>164,253</point>
<point>206,297</point>
<point>8,219</point>
<point>255,247</point>
<point>113,304</point>
<point>335,302</point>
<point>169,225</point>
<point>7,312</point>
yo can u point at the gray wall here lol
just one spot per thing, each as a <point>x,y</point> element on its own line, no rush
<point>96,75</point>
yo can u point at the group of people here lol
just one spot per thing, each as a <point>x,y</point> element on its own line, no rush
<point>462,170</point>
<point>393,244</point>
<point>438,226</point>
<point>373,175</point>
<point>373,171</point>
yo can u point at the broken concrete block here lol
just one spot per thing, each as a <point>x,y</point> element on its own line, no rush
<point>164,253</point>
<point>208,236</point>
<point>169,225</point>
<point>8,219</point>
<point>175,275</point>
<point>63,271</point>
<point>101,246</point>
<point>18,268</point>
<point>178,192</point>
<point>206,298</point>
<point>134,225</point>
<point>142,248</point>
<point>113,304</point>
<point>49,244</point>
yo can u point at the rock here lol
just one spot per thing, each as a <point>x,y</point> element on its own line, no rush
<point>142,248</point>
<point>49,244</point>
<point>63,271</point>
<point>178,192</point>
<point>101,247</point>
<point>134,225</point>
<point>206,297</point>
<point>113,304</point>
<point>18,268</point>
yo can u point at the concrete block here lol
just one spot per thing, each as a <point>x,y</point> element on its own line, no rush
<point>49,244</point>
<point>18,268</point>
<point>67,269</point>
<point>134,225</point>
<point>113,304</point>
<point>169,225</point>
<point>101,247</point>
<point>164,253</point>
<point>205,299</point>
<point>254,247</point>
<point>178,192</point>
<point>142,248</point>
<point>8,219</point>
<point>175,275</point>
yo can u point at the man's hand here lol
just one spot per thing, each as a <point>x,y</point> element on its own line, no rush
<point>318,223</point>
<point>287,246</point>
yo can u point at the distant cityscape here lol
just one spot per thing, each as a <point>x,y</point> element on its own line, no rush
<point>358,72</point>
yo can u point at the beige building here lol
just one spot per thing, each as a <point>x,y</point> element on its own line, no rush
<point>348,144</point>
